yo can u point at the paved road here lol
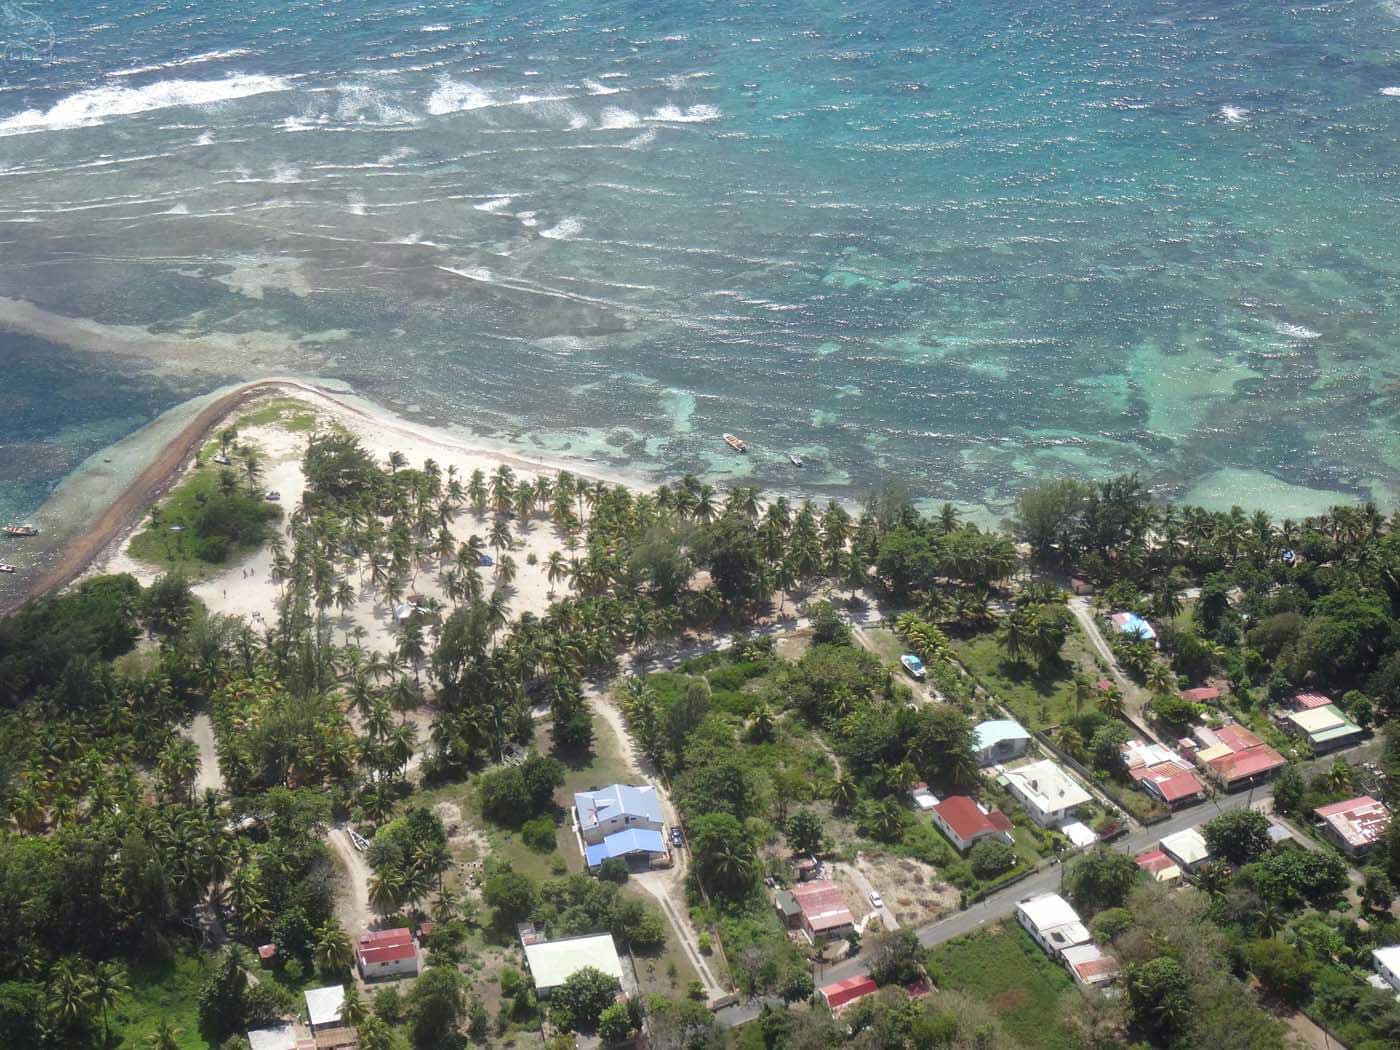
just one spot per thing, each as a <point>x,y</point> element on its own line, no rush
<point>1003,903</point>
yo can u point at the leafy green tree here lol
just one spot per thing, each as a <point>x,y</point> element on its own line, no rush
<point>1100,879</point>
<point>989,858</point>
<point>434,1006</point>
<point>804,831</point>
<point>1281,968</point>
<point>895,957</point>
<point>510,895</point>
<point>1159,995</point>
<point>578,1003</point>
<point>721,852</point>
<point>615,1023</point>
<point>1239,836</point>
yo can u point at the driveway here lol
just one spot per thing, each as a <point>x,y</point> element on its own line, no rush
<point>863,884</point>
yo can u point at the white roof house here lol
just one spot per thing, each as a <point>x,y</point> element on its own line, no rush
<point>1188,848</point>
<point>1052,921</point>
<point>323,1005</point>
<point>1387,963</point>
<point>554,962</point>
<point>1000,739</point>
<point>281,1037</point>
<point>1047,791</point>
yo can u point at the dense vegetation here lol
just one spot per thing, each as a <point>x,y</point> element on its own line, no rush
<point>114,869</point>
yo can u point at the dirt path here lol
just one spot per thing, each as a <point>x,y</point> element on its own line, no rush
<point>352,908</point>
<point>863,884</point>
<point>201,731</point>
<point>667,886</point>
<point>1135,698</point>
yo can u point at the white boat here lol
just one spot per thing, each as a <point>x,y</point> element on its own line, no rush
<point>8,568</point>
<point>737,444</point>
<point>796,461</point>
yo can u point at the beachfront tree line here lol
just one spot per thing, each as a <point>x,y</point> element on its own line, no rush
<point>312,726</point>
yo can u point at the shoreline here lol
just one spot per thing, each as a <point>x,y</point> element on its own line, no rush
<point>103,539</point>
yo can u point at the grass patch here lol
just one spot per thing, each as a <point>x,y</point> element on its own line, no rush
<point>287,412</point>
<point>1038,696</point>
<point>1022,986</point>
<point>199,526</point>
<point>163,991</point>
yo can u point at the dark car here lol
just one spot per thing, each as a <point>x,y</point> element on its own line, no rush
<point>677,839</point>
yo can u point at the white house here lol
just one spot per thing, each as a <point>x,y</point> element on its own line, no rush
<point>1387,963</point>
<point>551,963</point>
<point>1000,740</point>
<point>1049,794</point>
<point>1089,965</point>
<point>387,953</point>
<point>1188,848</point>
<point>1052,923</point>
<point>280,1037</point>
<point>323,1007</point>
<point>618,807</point>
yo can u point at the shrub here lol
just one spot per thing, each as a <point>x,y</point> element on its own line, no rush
<point>990,859</point>
<point>614,869</point>
<point>538,834</point>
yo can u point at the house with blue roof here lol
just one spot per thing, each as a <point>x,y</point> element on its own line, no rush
<point>617,808</point>
<point>1000,740</point>
<point>634,843</point>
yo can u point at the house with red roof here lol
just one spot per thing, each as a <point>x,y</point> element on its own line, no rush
<point>1201,695</point>
<point>1354,825</point>
<point>1235,756</point>
<point>1157,864</point>
<point>1163,773</point>
<point>966,822</point>
<point>822,912</point>
<point>387,953</point>
<point>841,994</point>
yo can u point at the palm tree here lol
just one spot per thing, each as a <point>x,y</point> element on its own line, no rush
<point>70,993</point>
<point>555,570</point>
<point>386,889</point>
<point>109,984</point>
<point>1160,678</point>
<point>333,952</point>
<point>354,1011</point>
<point>843,792</point>
<point>730,864</point>
<point>252,465</point>
<point>166,1037</point>
<point>1014,637</point>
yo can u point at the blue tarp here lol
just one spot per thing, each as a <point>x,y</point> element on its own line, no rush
<point>1132,623</point>
<point>623,843</point>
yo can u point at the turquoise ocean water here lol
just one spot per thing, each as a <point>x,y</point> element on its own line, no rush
<point>957,245</point>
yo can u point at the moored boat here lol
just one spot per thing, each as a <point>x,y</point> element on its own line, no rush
<point>737,444</point>
<point>794,459</point>
<point>21,530</point>
<point>7,568</point>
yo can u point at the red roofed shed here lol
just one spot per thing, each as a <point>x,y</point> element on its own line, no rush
<point>1309,701</point>
<point>1201,695</point>
<point>843,993</point>
<point>387,953</point>
<point>823,911</point>
<point>963,821</point>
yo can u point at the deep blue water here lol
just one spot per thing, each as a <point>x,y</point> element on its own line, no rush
<point>958,245</point>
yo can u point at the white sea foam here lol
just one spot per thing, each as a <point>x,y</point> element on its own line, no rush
<point>595,88</point>
<point>303,123</point>
<point>193,60</point>
<point>206,139</point>
<point>646,138</point>
<point>1392,92</point>
<point>527,218</point>
<point>435,29</point>
<point>615,118</point>
<point>578,122</point>
<point>688,115</point>
<point>1233,114</point>
<point>565,230</point>
<point>1296,331</point>
<point>452,96</point>
<point>495,206</point>
<point>179,209</point>
<point>97,105</point>
<point>364,104</point>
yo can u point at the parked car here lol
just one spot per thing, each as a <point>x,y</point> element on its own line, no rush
<point>677,839</point>
<point>876,899</point>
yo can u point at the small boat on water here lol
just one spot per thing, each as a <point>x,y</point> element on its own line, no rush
<point>7,568</point>
<point>21,530</point>
<point>795,460</point>
<point>737,444</point>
